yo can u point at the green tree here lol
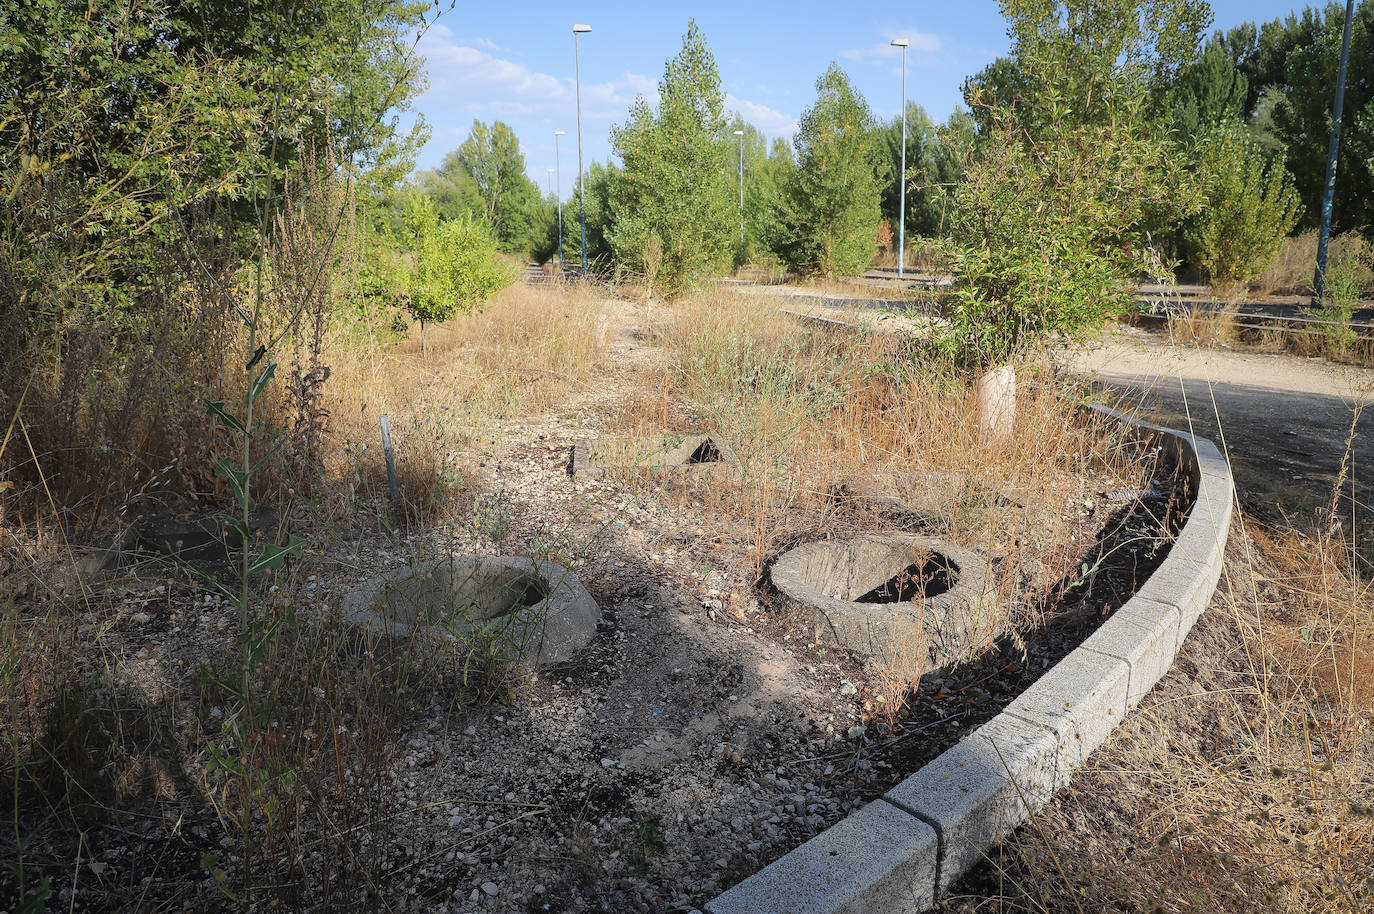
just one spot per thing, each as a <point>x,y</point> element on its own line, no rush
<point>1051,218</point>
<point>831,203</point>
<point>1209,91</point>
<point>674,195</point>
<point>1251,206</point>
<point>1088,61</point>
<point>148,152</point>
<point>934,162</point>
<point>1302,114</point>
<point>601,181</point>
<point>453,268</point>
<point>489,166</point>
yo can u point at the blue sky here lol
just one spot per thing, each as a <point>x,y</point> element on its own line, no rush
<point>513,61</point>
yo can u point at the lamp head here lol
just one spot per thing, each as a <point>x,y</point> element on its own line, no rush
<point>900,42</point>
<point>579,28</point>
<point>739,133</point>
<point>560,133</point>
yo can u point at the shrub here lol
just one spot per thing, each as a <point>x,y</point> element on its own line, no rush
<point>1251,206</point>
<point>454,267</point>
<point>1046,239</point>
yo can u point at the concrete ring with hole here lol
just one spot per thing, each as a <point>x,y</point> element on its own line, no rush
<point>540,611</point>
<point>914,603</point>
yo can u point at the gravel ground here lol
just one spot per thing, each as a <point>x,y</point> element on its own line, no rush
<point>695,740</point>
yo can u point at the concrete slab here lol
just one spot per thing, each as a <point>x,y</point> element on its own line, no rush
<point>878,860</point>
<point>668,453</point>
<point>968,793</point>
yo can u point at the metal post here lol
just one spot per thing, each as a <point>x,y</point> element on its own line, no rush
<point>1319,279</point>
<point>558,177</point>
<point>390,461</point>
<point>901,183</point>
<point>581,181</point>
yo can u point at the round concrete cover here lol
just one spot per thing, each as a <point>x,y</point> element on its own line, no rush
<point>541,606</point>
<point>829,587</point>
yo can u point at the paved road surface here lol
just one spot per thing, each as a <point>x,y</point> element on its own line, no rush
<point>1285,420</point>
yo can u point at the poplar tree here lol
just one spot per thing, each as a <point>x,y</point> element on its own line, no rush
<point>672,211</point>
<point>831,201</point>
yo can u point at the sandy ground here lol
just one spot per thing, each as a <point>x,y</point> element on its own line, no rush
<point>1287,422</point>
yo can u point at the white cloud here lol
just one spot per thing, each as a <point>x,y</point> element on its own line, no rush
<point>770,120</point>
<point>465,75</point>
<point>921,43</point>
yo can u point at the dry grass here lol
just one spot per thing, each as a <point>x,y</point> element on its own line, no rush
<point>529,346</point>
<point>1291,272</point>
<point>810,412</point>
<point>922,256</point>
<point>1246,784</point>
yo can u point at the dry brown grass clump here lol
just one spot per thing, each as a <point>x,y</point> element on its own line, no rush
<point>816,416</point>
<point>1291,273</point>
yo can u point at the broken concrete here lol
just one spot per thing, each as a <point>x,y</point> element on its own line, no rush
<point>655,453</point>
<point>537,611</point>
<point>912,602</point>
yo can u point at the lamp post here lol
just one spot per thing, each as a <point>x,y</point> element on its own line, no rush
<point>740,134</point>
<point>1324,235</point>
<point>558,178</point>
<point>901,177</point>
<point>578,29</point>
<point>548,180</point>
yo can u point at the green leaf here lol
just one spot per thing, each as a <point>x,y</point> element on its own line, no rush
<point>216,409</point>
<point>257,357</point>
<point>259,383</point>
<point>273,556</point>
<point>238,481</point>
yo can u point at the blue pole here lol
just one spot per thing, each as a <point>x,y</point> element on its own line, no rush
<point>1319,280</point>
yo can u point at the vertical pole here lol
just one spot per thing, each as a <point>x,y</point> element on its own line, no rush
<point>741,191</point>
<point>581,182</point>
<point>901,184</point>
<point>558,177</point>
<point>1319,279</point>
<point>390,461</point>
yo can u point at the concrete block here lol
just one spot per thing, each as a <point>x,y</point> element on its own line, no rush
<point>968,794</point>
<point>1143,634</point>
<point>1211,462</point>
<point>1081,701</point>
<point>878,860</point>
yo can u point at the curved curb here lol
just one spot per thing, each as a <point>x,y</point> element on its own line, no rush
<point>904,850</point>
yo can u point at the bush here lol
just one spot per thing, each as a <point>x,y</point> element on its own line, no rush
<point>1251,206</point>
<point>453,268</point>
<point>1046,237</point>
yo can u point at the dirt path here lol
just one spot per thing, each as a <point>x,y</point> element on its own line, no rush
<point>1284,420</point>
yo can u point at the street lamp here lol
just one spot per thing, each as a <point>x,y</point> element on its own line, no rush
<point>558,178</point>
<point>1333,151</point>
<point>548,184</point>
<point>901,177</point>
<point>578,29</point>
<point>740,134</point>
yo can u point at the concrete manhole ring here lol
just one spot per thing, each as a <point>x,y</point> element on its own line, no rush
<point>915,603</point>
<point>540,609</point>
